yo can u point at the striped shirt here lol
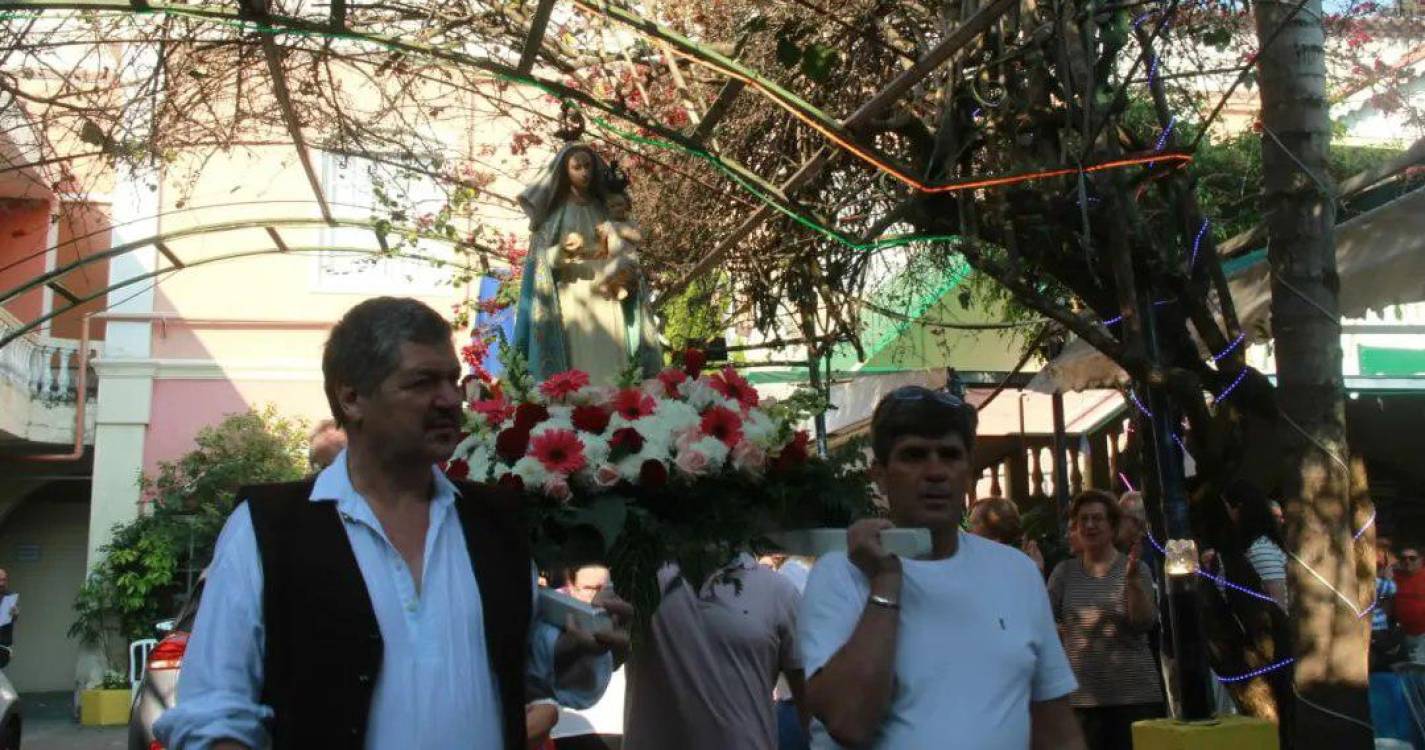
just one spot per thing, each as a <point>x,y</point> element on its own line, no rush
<point>1267,559</point>
<point>1110,658</point>
<point>1380,618</point>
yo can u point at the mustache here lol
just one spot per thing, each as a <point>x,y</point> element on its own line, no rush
<point>444,418</point>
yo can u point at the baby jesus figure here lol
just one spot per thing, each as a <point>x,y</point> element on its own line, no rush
<point>619,238</point>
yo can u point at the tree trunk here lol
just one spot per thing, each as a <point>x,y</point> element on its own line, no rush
<point>1331,641</point>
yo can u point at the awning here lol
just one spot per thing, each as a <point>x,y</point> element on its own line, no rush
<point>1380,259</point>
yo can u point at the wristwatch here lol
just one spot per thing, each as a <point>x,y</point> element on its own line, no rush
<point>881,601</point>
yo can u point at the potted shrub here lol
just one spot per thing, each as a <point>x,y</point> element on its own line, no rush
<point>107,704</point>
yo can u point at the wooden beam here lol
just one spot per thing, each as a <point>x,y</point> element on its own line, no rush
<point>277,240</point>
<point>536,36</point>
<point>887,96</point>
<point>169,254</point>
<point>719,109</point>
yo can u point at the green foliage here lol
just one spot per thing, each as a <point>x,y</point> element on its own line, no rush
<point>141,576</point>
<point>114,681</point>
<point>694,315</point>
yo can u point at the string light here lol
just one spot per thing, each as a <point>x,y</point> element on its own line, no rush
<point>1235,343</point>
<point>1257,672</point>
<point>1124,478</point>
<point>1197,242</point>
<point>1134,395</point>
<point>1228,390</point>
<point>1364,526</point>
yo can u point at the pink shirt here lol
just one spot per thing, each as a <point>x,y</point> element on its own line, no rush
<point>704,680</point>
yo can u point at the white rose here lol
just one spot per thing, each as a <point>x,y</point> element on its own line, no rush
<point>596,449</point>
<point>759,429</point>
<point>700,395</point>
<point>714,449</point>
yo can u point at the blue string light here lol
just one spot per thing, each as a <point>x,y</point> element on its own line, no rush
<point>1235,343</point>
<point>1113,321</point>
<point>1215,579</point>
<point>1153,71</point>
<point>1197,241</point>
<point>1257,672</point>
<point>1134,395</point>
<point>1228,390</point>
<point>1179,441</point>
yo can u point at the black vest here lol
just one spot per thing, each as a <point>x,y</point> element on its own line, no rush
<point>323,643</point>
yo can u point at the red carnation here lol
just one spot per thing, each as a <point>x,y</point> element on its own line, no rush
<point>512,443</point>
<point>671,378</point>
<point>724,424</point>
<point>529,415</point>
<point>457,469</point>
<point>626,439</point>
<point>795,453</point>
<point>564,384</point>
<point>559,450</point>
<point>653,474</point>
<point>693,361</point>
<point>591,418</point>
<point>633,404</point>
<point>735,387</point>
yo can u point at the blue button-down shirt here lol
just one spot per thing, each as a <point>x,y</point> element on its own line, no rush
<point>435,690</point>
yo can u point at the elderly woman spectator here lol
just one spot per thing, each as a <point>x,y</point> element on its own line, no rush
<point>1103,601</point>
<point>997,519</point>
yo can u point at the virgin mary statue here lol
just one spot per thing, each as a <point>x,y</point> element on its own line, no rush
<point>563,321</point>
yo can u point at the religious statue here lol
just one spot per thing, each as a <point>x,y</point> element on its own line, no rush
<point>583,301</point>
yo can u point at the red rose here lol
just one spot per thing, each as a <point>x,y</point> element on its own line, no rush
<point>626,439</point>
<point>457,469</point>
<point>529,415</point>
<point>693,361</point>
<point>795,453</point>
<point>653,474</point>
<point>592,419</point>
<point>512,482</point>
<point>512,443</point>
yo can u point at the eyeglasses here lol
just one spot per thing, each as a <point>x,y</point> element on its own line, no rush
<point>1410,558</point>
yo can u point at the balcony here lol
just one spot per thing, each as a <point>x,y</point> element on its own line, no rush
<point>39,387</point>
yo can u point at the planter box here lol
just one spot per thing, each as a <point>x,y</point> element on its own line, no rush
<point>104,707</point>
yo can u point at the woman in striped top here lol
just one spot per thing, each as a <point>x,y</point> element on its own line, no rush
<point>1103,601</point>
<point>1259,535</point>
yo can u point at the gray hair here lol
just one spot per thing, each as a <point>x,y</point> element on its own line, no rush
<point>364,347</point>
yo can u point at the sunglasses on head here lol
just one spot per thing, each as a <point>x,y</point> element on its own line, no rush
<point>918,393</point>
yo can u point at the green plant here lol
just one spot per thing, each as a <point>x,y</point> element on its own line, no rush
<point>114,681</point>
<point>149,562</point>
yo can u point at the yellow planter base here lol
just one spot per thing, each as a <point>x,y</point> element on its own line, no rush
<point>104,707</point>
<point>1225,733</point>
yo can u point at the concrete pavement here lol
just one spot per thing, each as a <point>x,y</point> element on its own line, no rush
<point>49,724</point>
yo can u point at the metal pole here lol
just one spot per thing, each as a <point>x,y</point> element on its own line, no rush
<point>814,369</point>
<point>1185,626</point>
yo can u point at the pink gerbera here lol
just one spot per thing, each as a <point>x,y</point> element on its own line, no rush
<point>724,424</point>
<point>633,404</point>
<point>564,384</point>
<point>559,451</point>
<point>733,386</point>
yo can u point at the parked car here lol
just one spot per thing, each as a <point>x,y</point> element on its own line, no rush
<point>9,709</point>
<point>158,689</point>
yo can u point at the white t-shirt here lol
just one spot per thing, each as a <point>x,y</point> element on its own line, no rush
<point>977,643</point>
<point>604,717</point>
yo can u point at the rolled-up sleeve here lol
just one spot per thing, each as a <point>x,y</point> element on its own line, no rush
<point>578,687</point>
<point>221,682</point>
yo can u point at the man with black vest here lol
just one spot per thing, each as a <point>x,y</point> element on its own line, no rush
<point>379,604</point>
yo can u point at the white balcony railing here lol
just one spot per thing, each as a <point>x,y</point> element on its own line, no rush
<point>48,369</point>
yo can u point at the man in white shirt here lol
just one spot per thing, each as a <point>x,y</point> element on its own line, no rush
<point>958,650</point>
<point>378,604</point>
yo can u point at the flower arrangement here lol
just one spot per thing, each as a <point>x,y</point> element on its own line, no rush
<point>687,467</point>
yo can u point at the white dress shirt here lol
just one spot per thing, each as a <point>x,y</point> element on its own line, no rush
<point>435,690</point>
